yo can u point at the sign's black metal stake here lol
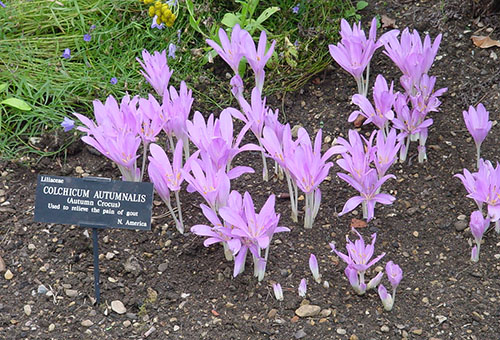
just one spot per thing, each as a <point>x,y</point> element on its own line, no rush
<point>97,288</point>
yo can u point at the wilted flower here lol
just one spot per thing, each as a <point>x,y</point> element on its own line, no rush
<point>67,53</point>
<point>68,124</point>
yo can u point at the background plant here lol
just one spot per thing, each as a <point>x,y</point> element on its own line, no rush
<point>33,38</point>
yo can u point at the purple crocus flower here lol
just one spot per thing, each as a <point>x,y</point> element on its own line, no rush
<point>2,4</point>
<point>387,149</point>
<point>257,57</point>
<point>413,57</point>
<point>68,124</point>
<point>113,81</point>
<point>229,50</point>
<point>384,98</point>
<point>386,298</point>
<point>309,168</point>
<point>167,177</point>
<point>313,265</point>
<point>478,124</point>
<point>478,226</point>
<point>358,255</point>
<point>354,51</point>
<point>369,191</point>
<point>67,53</point>
<point>156,70</point>
<point>255,230</point>
<point>213,185</point>
<point>87,37</point>
<point>394,274</point>
<point>216,138</point>
<point>116,133</point>
<point>303,288</point>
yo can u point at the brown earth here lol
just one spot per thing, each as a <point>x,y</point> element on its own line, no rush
<point>175,288</point>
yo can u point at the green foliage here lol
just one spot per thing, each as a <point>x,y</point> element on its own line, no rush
<point>353,12</point>
<point>33,38</point>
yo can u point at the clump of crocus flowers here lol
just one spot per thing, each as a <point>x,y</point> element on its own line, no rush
<point>358,262</point>
<point>358,153</point>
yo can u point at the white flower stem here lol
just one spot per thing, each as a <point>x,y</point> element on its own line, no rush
<point>179,211</point>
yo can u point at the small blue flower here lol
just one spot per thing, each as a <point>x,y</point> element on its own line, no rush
<point>155,25</point>
<point>67,53</point>
<point>92,27</point>
<point>295,9</point>
<point>171,50</point>
<point>2,4</point>
<point>113,81</point>
<point>68,124</point>
<point>87,37</point>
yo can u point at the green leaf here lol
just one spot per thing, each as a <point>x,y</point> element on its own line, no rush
<point>17,103</point>
<point>190,8</point>
<point>3,86</point>
<point>266,14</point>
<point>230,19</point>
<point>361,5</point>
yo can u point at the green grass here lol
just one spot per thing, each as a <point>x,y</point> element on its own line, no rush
<point>34,35</point>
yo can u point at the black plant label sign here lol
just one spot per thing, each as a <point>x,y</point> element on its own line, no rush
<point>93,202</point>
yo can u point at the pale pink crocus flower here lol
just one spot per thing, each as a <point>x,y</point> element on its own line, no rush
<point>478,124</point>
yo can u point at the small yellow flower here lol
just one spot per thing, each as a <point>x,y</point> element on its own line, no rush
<point>158,5</point>
<point>151,11</point>
<point>158,21</point>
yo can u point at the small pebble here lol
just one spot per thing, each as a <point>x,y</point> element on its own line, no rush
<point>8,275</point>
<point>31,246</point>
<point>27,310</point>
<point>384,329</point>
<point>417,331</point>
<point>460,225</point>
<point>341,331</point>
<point>109,255</point>
<point>118,307</point>
<point>300,334</point>
<point>71,292</point>
<point>461,217</point>
<point>42,289</point>
<point>87,323</point>
<point>176,328</point>
<point>127,323</point>
<point>415,233</point>
<point>52,327</point>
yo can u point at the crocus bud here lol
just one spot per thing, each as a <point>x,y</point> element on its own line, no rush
<point>387,300</point>
<point>375,281</point>
<point>352,275</point>
<point>394,273</point>
<point>237,86</point>
<point>478,225</point>
<point>313,265</point>
<point>278,292</point>
<point>303,288</point>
